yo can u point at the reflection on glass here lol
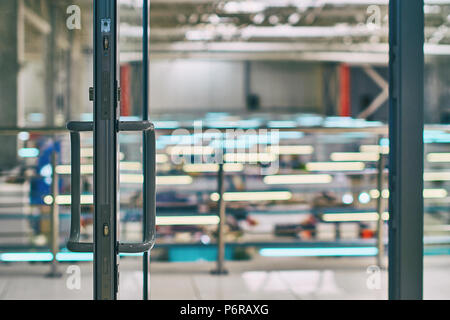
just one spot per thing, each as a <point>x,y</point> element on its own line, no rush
<point>290,96</point>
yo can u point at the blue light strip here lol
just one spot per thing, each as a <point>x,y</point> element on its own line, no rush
<point>265,252</point>
<point>166,124</point>
<point>65,256</point>
<point>74,256</point>
<point>28,152</point>
<point>282,124</point>
<point>26,257</point>
<point>319,252</point>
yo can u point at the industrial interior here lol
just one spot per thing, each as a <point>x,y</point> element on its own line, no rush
<point>274,111</point>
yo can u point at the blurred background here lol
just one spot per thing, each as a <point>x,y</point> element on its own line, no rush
<point>306,84</point>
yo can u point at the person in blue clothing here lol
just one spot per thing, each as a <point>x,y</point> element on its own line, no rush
<point>41,181</point>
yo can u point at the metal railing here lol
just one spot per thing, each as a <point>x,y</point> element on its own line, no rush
<point>55,132</point>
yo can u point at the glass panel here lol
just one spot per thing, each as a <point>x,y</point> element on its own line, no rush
<point>131,167</point>
<point>47,54</point>
<point>290,96</point>
<point>437,153</point>
<point>304,84</point>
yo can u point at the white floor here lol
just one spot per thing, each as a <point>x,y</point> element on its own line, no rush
<point>264,278</point>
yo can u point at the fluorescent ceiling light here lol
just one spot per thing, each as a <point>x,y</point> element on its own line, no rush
<point>187,220</point>
<point>291,150</point>
<point>236,7</point>
<point>160,180</point>
<point>63,169</point>
<point>438,157</point>
<point>318,252</point>
<point>374,149</point>
<point>355,156</point>
<point>190,150</point>
<point>173,180</point>
<point>354,216</point>
<point>250,157</point>
<point>201,167</point>
<point>85,199</point>
<point>298,179</point>
<point>436,176</point>
<point>435,193</point>
<point>130,166</point>
<point>335,166</point>
<point>254,196</point>
<point>89,168</point>
<point>131,178</point>
<point>427,193</point>
<point>286,31</point>
<point>212,167</point>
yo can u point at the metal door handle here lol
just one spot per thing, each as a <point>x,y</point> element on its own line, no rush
<point>74,243</point>
<point>149,202</point>
<point>149,198</point>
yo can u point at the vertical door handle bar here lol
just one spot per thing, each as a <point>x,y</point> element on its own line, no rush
<point>74,243</point>
<point>149,198</point>
<point>149,208</point>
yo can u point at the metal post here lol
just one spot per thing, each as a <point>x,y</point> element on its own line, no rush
<point>145,116</point>
<point>337,228</point>
<point>68,101</point>
<point>380,210</point>
<point>106,115</point>
<point>247,84</point>
<point>220,228</point>
<point>50,111</point>
<point>406,64</point>
<point>54,225</point>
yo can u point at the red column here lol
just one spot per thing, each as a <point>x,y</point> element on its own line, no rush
<point>125,94</point>
<point>344,103</point>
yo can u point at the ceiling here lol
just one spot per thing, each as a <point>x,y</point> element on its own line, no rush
<point>353,31</point>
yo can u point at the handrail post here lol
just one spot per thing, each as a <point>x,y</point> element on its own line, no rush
<point>54,218</point>
<point>220,270</point>
<point>380,210</point>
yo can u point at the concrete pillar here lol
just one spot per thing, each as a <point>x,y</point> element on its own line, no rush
<point>9,67</point>
<point>50,73</point>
